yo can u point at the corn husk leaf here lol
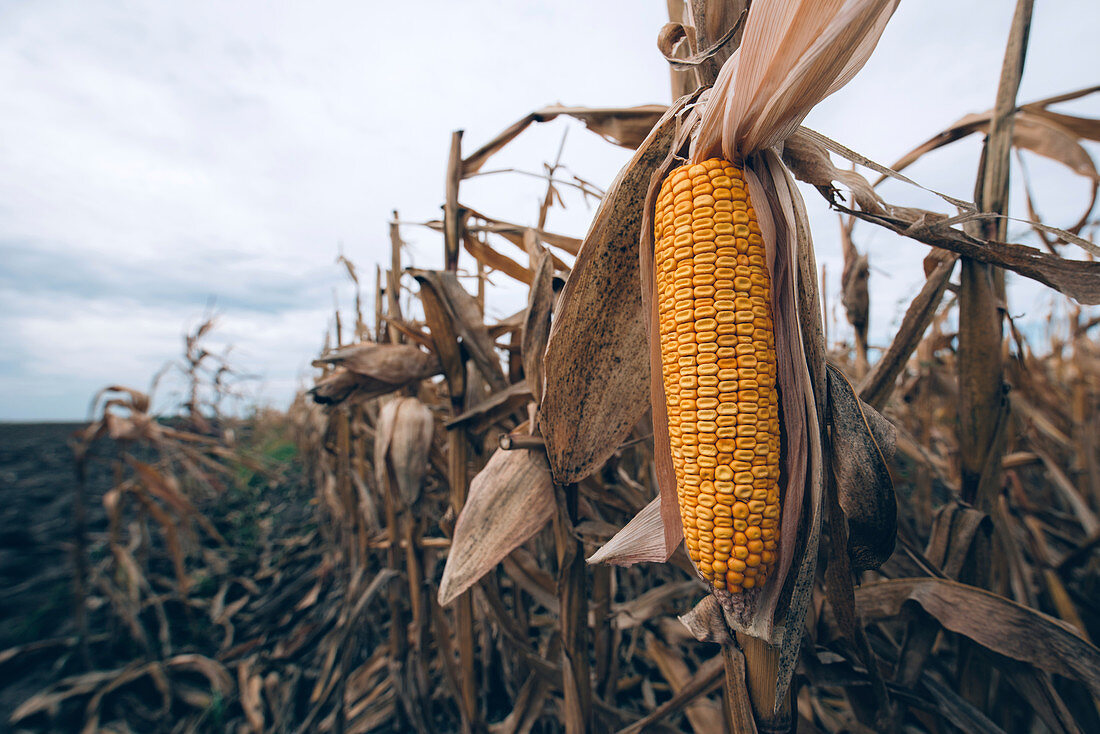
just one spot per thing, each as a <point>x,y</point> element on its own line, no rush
<point>706,622</point>
<point>402,444</point>
<point>862,441</point>
<point>536,324</point>
<point>794,53</point>
<point>596,369</point>
<point>510,500</point>
<point>641,539</point>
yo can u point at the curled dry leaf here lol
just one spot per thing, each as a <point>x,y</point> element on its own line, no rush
<point>510,500</point>
<point>793,55</point>
<point>706,622</point>
<point>865,489</point>
<point>396,364</point>
<point>368,370</point>
<point>1037,129</point>
<point>402,444</point>
<point>1077,279</point>
<point>992,621</point>
<point>596,363</point>
<point>625,126</point>
<point>452,312</point>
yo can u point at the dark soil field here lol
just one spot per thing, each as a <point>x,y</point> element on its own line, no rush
<point>37,486</point>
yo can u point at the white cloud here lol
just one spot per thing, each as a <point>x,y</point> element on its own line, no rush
<point>153,155</point>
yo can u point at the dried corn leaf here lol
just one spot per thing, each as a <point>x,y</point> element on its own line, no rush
<point>494,260</point>
<point>368,370</point>
<point>596,360</point>
<point>992,621</point>
<point>1041,132</point>
<point>1076,279</point>
<point>510,500</point>
<point>456,313</point>
<point>396,364</point>
<point>1044,133</point>
<point>864,487</point>
<point>625,126</point>
<point>703,714</point>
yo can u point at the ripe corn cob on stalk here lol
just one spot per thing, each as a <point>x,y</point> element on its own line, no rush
<point>719,365</point>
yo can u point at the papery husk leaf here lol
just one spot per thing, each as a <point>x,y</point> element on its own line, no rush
<point>536,324</point>
<point>706,622</point>
<point>403,441</point>
<point>641,539</point>
<point>510,500</point>
<point>786,602</point>
<point>865,489</point>
<point>596,368</point>
<point>992,621</point>
<point>794,53</point>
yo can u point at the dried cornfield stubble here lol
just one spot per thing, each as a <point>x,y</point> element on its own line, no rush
<point>653,499</point>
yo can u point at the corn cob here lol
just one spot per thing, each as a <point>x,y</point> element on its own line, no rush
<point>719,370</point>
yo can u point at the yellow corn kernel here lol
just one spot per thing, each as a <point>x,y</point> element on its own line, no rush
<point>719,365</point>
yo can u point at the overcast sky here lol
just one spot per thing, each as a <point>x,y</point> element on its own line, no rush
<point>155,157</point>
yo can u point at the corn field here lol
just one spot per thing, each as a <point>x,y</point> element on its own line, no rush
<point>474,524</point>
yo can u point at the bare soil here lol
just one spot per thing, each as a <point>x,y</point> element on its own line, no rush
<point>37,486</point>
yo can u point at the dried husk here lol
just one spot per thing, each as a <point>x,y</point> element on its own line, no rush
<point>861,443</point>
<point>595,358</point>
<point>510,500</point>
<point>403,443</point>
<point>641,539</point>
<point>536,323</point>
